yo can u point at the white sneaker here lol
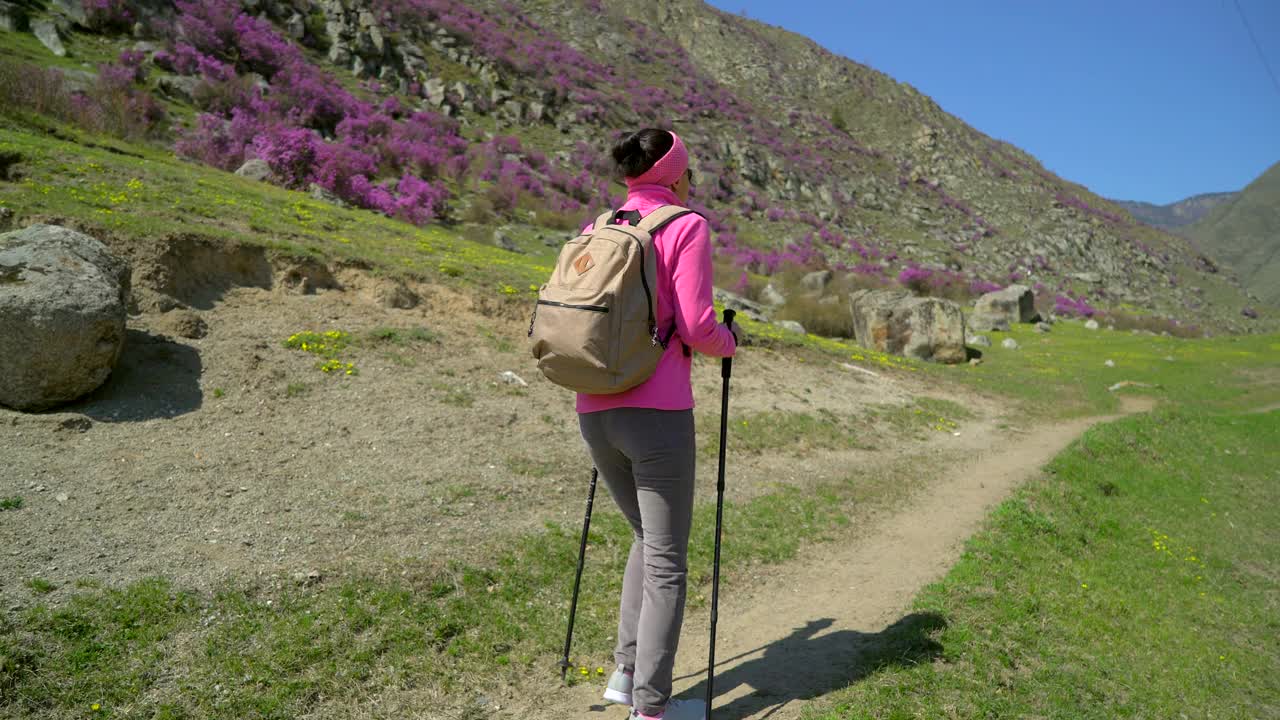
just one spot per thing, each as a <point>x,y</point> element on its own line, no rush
<point>619,690</point>
<point>680,710</point>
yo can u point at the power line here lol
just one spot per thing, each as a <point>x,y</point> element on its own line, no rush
<point>1248,28</point>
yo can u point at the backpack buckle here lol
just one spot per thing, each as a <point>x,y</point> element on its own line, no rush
<point>654,340</point>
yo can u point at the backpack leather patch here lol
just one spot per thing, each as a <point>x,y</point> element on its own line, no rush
<point>584,263</point>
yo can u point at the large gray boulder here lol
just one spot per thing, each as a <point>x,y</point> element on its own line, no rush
<point>62,315</point>
<point>1002,308</point>
<point>741,305</point>
<point>255,169</point>
<point>47,33</point>
<point>73,9</point>
<point>772,296</point>
<point>179,87</point>
<point>817,281</point>
<point>897,322</point>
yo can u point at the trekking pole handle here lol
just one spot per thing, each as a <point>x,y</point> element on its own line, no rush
<point>726,364</point>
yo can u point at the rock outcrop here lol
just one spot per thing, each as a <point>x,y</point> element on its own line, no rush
<point>47,33</point>
<point>62,315</point>
<point>898,322</point>
<point>739,304</point>
<point>255,169</point>
<point>998,310</point>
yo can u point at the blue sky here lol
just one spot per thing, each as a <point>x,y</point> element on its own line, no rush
<point>1136,99</point>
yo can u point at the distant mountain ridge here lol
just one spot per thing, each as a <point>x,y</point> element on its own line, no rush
<point>1176,215</point>
<point>1244,234</point>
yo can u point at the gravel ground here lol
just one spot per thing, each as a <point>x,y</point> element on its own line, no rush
<point>231,458</point>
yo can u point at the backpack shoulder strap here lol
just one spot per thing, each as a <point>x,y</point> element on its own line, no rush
<point>656,220</point>
<point>601,221</point>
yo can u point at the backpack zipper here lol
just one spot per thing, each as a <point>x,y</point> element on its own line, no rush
<point>592,308</point>
<point>534,318</point>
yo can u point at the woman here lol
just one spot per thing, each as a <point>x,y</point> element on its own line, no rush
<point>642,440</point>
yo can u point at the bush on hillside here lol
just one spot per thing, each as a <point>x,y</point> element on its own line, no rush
<point>114,104</point>
<point>934,282</point>
<point>829,319</point>
<point>33,89</point>
<point>1069,306</point>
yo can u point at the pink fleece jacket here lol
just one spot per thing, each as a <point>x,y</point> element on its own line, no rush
<point>683,248</point>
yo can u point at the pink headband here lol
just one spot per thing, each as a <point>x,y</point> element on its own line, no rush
<point>667,171</point>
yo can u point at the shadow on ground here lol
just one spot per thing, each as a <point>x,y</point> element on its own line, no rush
<point>155,378</point>
<point>805,664</point>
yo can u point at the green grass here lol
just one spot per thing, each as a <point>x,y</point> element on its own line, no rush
<point>11,503</point>
<point>276,652</point>
<point>1139,578</point>
<point>923,415</point>
<point>533,467</point>
<point>456,396</point>
<point>41,586</point>
<point>403,336</point>
<point>139,191</point>
<point>794,433</point>
<point>1063,373</point>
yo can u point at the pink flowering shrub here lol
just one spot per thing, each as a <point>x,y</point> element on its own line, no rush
<point>307,127</point>
<point>115,104</point>
<point>916,279</point>
<point>290,153</point>
<point>1073,307</point>
<point>108,16</point>
<point>209,25</point>
<point>419,201</point>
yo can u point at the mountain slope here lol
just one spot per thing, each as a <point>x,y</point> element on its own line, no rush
<point>1244,234</point>
<point>1178,214</point>
<point>476,115</point>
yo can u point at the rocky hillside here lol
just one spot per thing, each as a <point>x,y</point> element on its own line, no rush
<point>1244,234</point>
<point>485,114</point>
<point>1176,215</point>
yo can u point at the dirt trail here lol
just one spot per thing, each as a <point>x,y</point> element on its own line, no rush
<point>827,621</point>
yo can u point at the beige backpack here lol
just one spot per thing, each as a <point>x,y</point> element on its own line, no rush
<point>594,328</point>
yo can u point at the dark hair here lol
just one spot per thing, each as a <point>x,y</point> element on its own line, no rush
<point>634,154</point>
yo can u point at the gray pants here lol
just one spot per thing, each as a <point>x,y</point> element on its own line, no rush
<point>646,458</point>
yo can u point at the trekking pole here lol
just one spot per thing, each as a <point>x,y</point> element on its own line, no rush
<point>577,580</point>
<point>726,369</point>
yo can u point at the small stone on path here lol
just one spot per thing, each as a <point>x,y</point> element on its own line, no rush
<point>511,378</point>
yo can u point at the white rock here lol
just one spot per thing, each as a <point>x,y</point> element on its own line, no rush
<point>255,169</point>
<point>1009,343</point>
<point>511,378</point>
<point>1091,325</point>
<point>1110,363</point>
<point>770,295</point>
